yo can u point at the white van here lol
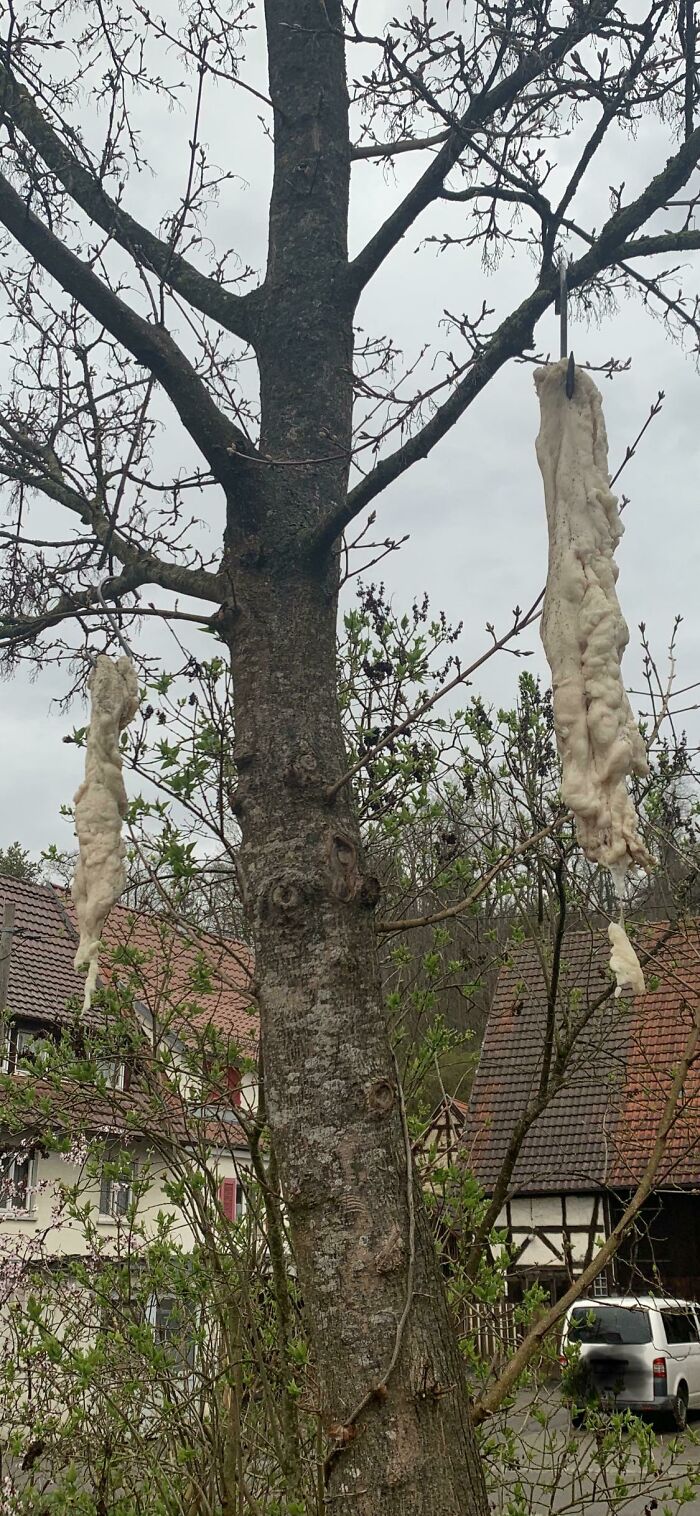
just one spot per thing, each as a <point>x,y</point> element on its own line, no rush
<point>637,1353</point>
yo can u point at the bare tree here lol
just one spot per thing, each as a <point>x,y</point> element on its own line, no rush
<point>110,317</point>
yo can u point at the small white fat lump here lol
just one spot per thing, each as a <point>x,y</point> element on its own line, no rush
<point>624,962</point>
<point>100,807</point>
<point>585,635</point>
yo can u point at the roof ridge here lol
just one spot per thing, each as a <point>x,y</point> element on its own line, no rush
<point>178,924</point>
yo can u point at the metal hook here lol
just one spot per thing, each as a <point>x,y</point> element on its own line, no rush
<point>562,307</point>
<point>121,639</point>
<point>563,303</point>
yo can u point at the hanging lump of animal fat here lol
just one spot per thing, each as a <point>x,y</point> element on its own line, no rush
<point>100,807</point>
<point>585,635</point>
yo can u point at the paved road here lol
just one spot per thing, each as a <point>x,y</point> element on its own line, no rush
<point>549,1468</point>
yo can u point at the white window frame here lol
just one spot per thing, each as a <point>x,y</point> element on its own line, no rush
<point>115,1212</point>
<point>154,1302</point>
<point>12,1048</point>
<point>113,1071</point>
<point>600,1290</point>
<point>25,1038</point>
<point>7,1210</point>
<point>184,1365</point>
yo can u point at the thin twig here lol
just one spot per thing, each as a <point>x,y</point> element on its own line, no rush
<point>519,625</point>
<point>410,922</point>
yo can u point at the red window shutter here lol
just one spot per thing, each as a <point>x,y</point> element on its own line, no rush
<point>233,1083</point>
<point>227,1198</point>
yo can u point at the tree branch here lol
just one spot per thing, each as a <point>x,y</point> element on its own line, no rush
<point>15,630</point>
<point>480,110</point>
<point>513,336</point>
<point>614,243</point>
<point>449,911</point>
<point>553,986</point>
<point>150,345</point>
<point>231,311</point>
<point>402,145</point>
<point>145,565</point>
<point>520,622</point>
<point>665,242</point>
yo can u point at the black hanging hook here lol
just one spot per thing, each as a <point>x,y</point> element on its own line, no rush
<point>121,639</point>
<point>562,308</point>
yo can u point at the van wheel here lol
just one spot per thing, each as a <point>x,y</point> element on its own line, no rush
<point>680,1409</point>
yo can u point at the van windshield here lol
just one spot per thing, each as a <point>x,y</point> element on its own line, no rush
<point>610,1323</point>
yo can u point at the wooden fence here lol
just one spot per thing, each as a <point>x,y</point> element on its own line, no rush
<point>492,1328</point>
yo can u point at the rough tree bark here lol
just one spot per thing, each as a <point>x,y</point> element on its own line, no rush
<point>363,1245</point>
<point>394,1397</point>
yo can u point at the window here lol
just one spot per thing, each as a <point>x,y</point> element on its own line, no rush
<point>173,1329</point>
<point>610,1324</point>
<point>164,1318</point>
<point>600,1286</point>
<point>27,1049</point>
<point>679,1326</point>
<point>116,1189</point>
<point>115,1311</point>
<point>17,1180</point>
<point>113,1071</point>
<point>232,1199</point>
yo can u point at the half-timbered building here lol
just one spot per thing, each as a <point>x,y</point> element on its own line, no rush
<point>582,1080</point>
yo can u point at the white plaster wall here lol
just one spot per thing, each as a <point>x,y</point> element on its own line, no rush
<point>56,1234</point>
<point>545,1212</point>
<point>537,1254</point>
<point>579,1246</point>
<point>580,1209</point>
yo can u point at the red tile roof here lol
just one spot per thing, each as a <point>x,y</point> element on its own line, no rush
<point>598,1129</point>
<point>42,978</point>
<point>159,1114</point>
<point>183,976</point>
<point>661,1025</point>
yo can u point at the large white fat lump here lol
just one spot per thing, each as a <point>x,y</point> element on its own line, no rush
<point>583,629</point>
<point>100,807</point>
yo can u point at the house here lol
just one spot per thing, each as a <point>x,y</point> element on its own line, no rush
<point>582,1157</point>
<point>440,1142</point>
<point>161,1069</point>
<point>442,1138</point>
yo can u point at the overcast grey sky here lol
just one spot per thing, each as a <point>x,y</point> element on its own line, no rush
<point>474,509</point>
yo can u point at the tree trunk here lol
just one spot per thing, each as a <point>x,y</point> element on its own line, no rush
<point>333,1103</point>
